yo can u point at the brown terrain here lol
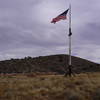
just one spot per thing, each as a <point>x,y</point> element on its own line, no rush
<point>52,63</point>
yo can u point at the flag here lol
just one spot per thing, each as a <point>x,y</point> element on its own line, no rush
<point>62,16</point>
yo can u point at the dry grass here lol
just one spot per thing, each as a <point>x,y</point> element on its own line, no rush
<point>50,87</point>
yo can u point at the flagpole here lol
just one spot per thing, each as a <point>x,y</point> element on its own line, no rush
<point>70,63</point>
<point>70,34</point>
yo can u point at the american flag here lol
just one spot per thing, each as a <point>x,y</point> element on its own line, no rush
<point>62,16</point>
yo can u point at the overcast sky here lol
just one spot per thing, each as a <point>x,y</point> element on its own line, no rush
<point>25,28</point>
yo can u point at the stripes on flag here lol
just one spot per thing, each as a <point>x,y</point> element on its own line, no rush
<point>62,16</point>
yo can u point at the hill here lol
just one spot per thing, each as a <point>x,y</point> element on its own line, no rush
<point>52,63</point>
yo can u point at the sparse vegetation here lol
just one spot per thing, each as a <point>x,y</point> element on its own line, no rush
<point>84,86</point>
<point>41,78</point>
<point>53,63</point>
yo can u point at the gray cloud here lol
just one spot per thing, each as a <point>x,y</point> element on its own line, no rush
<point>25,28</point>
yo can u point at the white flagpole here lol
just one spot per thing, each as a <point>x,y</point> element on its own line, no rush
<point>70,33</point>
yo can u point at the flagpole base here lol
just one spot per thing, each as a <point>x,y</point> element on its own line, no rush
<point>69,71</point>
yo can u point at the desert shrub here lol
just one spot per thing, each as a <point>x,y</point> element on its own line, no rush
<point>96,94</point>
<point>68,95</point>
<point>73,95</point>
<point>31,75</point>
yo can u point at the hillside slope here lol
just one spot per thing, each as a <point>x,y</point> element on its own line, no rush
<point>53,63</point>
